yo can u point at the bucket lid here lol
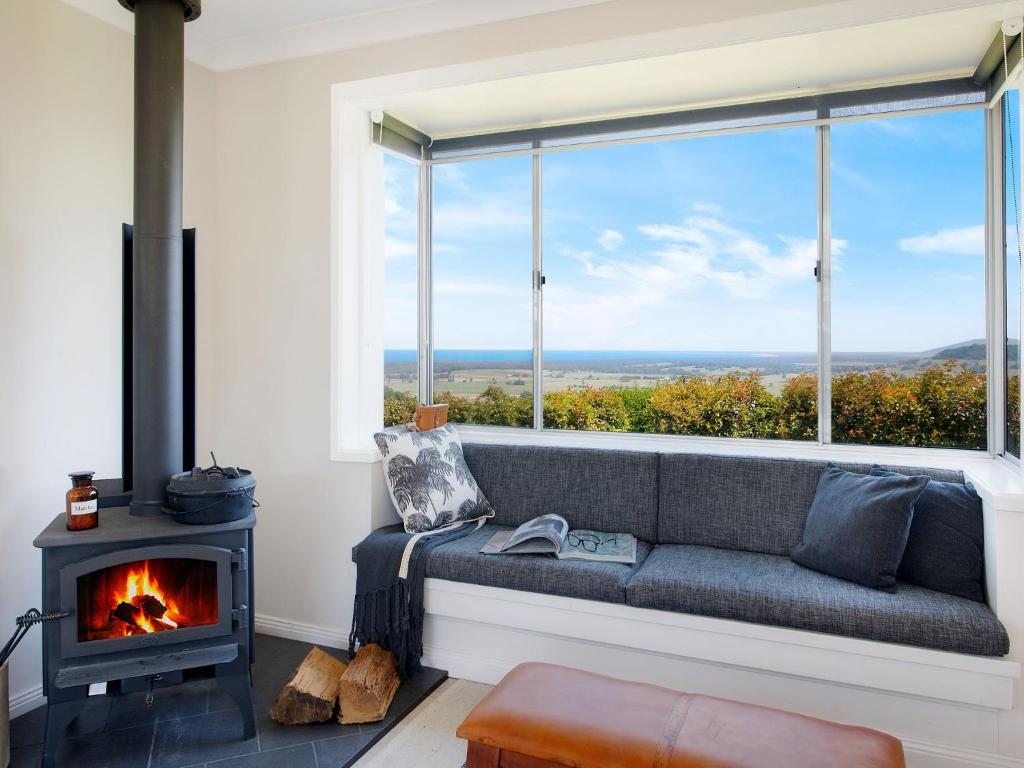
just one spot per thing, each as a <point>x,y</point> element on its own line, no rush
<point>210,481</point>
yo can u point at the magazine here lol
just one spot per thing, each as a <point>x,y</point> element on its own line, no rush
<point>550,535</point>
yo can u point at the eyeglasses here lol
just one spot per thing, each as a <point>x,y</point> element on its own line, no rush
<point>589,542</point>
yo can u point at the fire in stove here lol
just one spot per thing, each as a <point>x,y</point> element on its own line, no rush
<point>143,606</point>
<point>146,596</point>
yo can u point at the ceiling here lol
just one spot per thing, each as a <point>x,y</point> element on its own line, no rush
<point>231,34</point>
<point>902,50</point>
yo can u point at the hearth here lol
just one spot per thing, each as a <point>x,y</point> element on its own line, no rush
<point>145,601</point>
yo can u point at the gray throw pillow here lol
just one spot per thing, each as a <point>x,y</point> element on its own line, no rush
<point>858,526</point>
<point>946,548</point>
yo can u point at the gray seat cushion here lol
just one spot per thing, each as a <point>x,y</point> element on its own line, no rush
<point>748,503</point>
<point>461,560</point>
<point>771,589</point>
<point>612,491</point>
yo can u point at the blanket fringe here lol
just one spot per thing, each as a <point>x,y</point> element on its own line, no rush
<point>393,633</point>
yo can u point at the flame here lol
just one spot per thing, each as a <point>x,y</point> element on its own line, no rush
<point>140,583</point>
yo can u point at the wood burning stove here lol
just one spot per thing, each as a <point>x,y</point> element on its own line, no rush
<point>142,599</point>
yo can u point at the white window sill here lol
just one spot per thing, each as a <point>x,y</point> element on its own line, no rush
<point>998,481</point>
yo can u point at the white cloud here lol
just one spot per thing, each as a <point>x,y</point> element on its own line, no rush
<point>711,208</point>
<point>689,288</point>
<point>965,241</point>
<point>701,284</point>
<point>395,248</point>
<point>704,249</point>
<point>610,239</point>
<point>473,287</point>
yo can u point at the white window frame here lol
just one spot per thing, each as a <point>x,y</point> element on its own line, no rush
<point>995,287</point>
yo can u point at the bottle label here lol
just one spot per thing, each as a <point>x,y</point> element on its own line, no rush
<point>84,507</point>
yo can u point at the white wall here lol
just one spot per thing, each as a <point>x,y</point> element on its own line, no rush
<point>270,397</point>
<point>65,188</point>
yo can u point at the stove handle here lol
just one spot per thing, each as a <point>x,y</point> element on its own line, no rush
<point>240,559</point>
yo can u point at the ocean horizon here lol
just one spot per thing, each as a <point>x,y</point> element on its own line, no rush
<point>569,355</point>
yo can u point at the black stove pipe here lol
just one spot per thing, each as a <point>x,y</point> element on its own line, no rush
<point>157,250</point>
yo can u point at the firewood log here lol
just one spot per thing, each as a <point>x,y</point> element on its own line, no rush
<point>125,612</point>
<point>368,686</point>
<point>150,606</point>
<point>311,696</point>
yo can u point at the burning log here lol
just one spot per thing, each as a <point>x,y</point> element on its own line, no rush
<point>311,696</point>
<point>368,686</point>
<point>150,606</point>
<point>144,613</point>
<point>127,613</point>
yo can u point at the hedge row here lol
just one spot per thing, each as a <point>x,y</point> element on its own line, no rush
<point>942,406</point>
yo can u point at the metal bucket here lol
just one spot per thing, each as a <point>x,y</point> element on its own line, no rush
<point>5,717</point>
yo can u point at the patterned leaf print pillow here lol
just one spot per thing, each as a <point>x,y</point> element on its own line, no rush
<point>428,478</point>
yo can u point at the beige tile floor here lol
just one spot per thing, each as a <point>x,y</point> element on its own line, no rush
<point>426,738</point>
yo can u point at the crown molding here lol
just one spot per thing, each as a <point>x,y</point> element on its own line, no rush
<point>217,50</point>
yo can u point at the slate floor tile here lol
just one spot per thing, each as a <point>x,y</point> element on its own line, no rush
<point>93,717</point>
<point>27,757</point>
<point>197,726</point>
<point>127,748</point>
<point>301,756</point>
<point>274,735</point>
<point>28,729</point>
<point>168,703</point>
<point>343,750</point>
<point>207,737</point>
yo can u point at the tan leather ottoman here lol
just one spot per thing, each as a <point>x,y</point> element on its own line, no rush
<point>545,715</point>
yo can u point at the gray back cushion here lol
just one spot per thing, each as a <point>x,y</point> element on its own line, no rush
<point>614,491</point>
<point>753,504</point>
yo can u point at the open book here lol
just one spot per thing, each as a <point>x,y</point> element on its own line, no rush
<point>550,534</point>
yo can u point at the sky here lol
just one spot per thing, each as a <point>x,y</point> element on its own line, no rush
<point>705,244</point>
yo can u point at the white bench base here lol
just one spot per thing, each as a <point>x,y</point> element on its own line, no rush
<point>947,708</point>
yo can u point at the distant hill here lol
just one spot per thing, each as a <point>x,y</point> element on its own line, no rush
<point>965,350</point>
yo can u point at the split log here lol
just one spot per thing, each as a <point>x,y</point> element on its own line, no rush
<point>311,696</point>
<point>149,605</point>
<point>368,686</point>
<point>127,613</point>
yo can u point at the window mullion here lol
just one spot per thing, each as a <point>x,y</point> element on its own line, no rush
<point>424,284</point>
<point>824,288</point>
<point>538,293</point>
<point>995,280</point>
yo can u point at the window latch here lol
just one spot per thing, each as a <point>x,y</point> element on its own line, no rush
<point>541,281</point>
<point>817,270</point>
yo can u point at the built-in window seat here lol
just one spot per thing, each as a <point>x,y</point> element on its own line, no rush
<point>714,534</point>
<point>714,605</point>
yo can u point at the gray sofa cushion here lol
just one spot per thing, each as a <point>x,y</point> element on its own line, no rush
<point>613,491</point>
<point>771,589</point>
<point>748,503</point>
<point>858,526</point>
<point>461,561</point>
<point>946,547</point>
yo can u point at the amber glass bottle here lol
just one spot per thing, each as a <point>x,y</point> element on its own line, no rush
<point>82,507</point>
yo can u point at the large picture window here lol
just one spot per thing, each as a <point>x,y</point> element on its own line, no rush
<point>401,382</point>
<point>908,284</point>
<point>483,296</point>
<point>680,292</point>
<point>673,278</point>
